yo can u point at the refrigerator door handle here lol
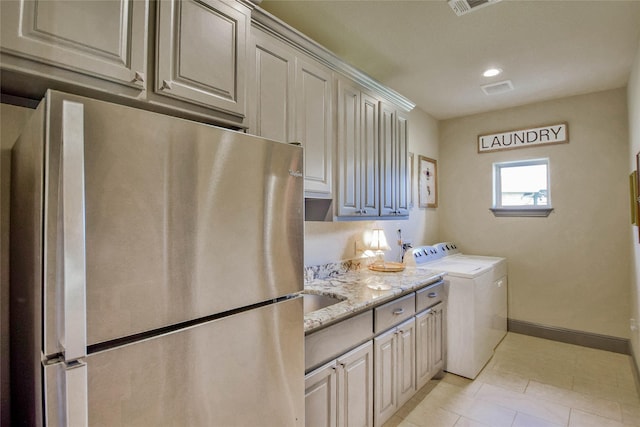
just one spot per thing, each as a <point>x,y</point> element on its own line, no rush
<point>76,394</point>
<point>73,232</point>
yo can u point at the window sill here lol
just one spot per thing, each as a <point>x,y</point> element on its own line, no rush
<point>526,212</point>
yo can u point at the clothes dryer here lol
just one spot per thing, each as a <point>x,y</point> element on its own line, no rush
<point>476,307</point>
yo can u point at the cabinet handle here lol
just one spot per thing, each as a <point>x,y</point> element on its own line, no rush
<point>138,77</point>
<point>432,294</point>
<point>398,311</point>
<point>166,84</point>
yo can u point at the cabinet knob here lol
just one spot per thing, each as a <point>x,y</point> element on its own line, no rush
<point>364,211</point>
<point>138,77</point>
<point>166,85</point>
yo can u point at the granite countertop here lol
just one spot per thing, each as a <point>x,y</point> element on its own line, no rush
<point>352,286</point>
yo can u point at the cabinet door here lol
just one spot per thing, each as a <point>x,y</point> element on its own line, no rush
<point>348,152</point>
<point>272,88</point>
<point>438,344</point>
<point>369,156</point>
<point>401,162</point>
<point>320,397</point>
<point>385,389</point>
<point>424,334</point>
<point>355,387</point>
<point>201,52</point>
<point>105,39</point>
<point>393,162</point>
<point>388,175</point>
<point>406,361</point>
<point>314,125</point>
<point>429,344</point>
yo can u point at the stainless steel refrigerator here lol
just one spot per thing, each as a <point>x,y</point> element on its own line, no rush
<point>154,267</point>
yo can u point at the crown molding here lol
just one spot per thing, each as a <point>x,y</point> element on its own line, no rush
<point>262,19</point>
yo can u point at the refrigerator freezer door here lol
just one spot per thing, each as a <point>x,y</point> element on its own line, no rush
<point>66,395</point>
<point>183,220</point>
<point>242,370</point>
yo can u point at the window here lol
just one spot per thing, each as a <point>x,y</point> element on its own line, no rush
<point>521,188</point>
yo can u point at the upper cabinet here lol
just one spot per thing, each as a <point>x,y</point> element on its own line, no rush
<point>193,64</point>
<point>201,53</point>
<point>102,39</point>
<point>357,152</point>
<point>290,100</point>
<point>226,62</point>
<point>393,162</point>
<point>314,125</point>
<point>271,88</point>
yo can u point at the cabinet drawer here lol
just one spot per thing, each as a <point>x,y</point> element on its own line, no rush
<point>330,342</point>
<point>394,312</point>
<point>429,296</point>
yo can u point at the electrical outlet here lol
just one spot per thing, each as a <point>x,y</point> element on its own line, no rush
<point>633,324</point>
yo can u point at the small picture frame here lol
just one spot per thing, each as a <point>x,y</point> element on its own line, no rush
<point>411,185</point>
<point>427,182</point>
<point>633,193</point>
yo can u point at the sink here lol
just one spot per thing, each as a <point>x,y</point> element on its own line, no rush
<point>313,302</point>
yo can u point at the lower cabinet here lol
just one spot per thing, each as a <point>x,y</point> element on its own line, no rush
<point>430,343</point>
<point>367,385</point>
<point>340,393</point>
<point>395,369</point>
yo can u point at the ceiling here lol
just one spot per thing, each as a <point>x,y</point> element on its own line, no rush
<point>421,49</point>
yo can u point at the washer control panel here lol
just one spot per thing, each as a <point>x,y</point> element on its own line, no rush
<point>446,248</point>
<point>422,255</point>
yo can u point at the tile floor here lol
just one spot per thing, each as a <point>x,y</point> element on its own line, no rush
<point>531,382</point>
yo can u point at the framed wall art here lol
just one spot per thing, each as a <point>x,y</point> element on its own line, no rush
<point>638,189</point>
<point>411,186</point>
<point>427,182</point>
<point>633,193</point>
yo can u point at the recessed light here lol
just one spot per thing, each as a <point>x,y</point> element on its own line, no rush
<point>492,72</point>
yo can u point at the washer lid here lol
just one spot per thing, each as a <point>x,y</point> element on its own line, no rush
<point>460,269</point>
<point>477,259</point>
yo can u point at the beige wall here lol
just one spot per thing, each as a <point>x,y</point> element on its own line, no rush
<point>633,96</point>
<point>11,121</point>
<point>327,242</point>
<point>569,270</point>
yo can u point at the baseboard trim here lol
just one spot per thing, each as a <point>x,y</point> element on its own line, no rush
<point>569,336</point>
<point>634,367</point>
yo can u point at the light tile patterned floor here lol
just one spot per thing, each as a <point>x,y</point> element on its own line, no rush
<point>531,382</point>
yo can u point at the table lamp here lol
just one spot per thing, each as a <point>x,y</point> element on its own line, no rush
<point>378,244</point>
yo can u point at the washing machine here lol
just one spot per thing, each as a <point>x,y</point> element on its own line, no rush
<point>476,304</point>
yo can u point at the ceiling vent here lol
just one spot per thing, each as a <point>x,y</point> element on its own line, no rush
<point>496,88</point>
<point>462,7</point>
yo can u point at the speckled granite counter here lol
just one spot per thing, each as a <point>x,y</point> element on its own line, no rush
<point>352,286</point>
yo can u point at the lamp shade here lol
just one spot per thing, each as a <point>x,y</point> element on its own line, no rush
<point>378,240</point>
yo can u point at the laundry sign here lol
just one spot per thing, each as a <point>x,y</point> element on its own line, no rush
<point>551,134</point>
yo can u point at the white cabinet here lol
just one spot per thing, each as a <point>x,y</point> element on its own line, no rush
<point>430,346</point>
<point>340,393</point>
<point>320,397</point>
<point>357,152</point>
<point>395,368</point>
<point>315,125</point>
<point>201,53</point>
<point>393,162</point>
<point>103,39</point>
<point>271,88</point>
<point>291,101</point>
